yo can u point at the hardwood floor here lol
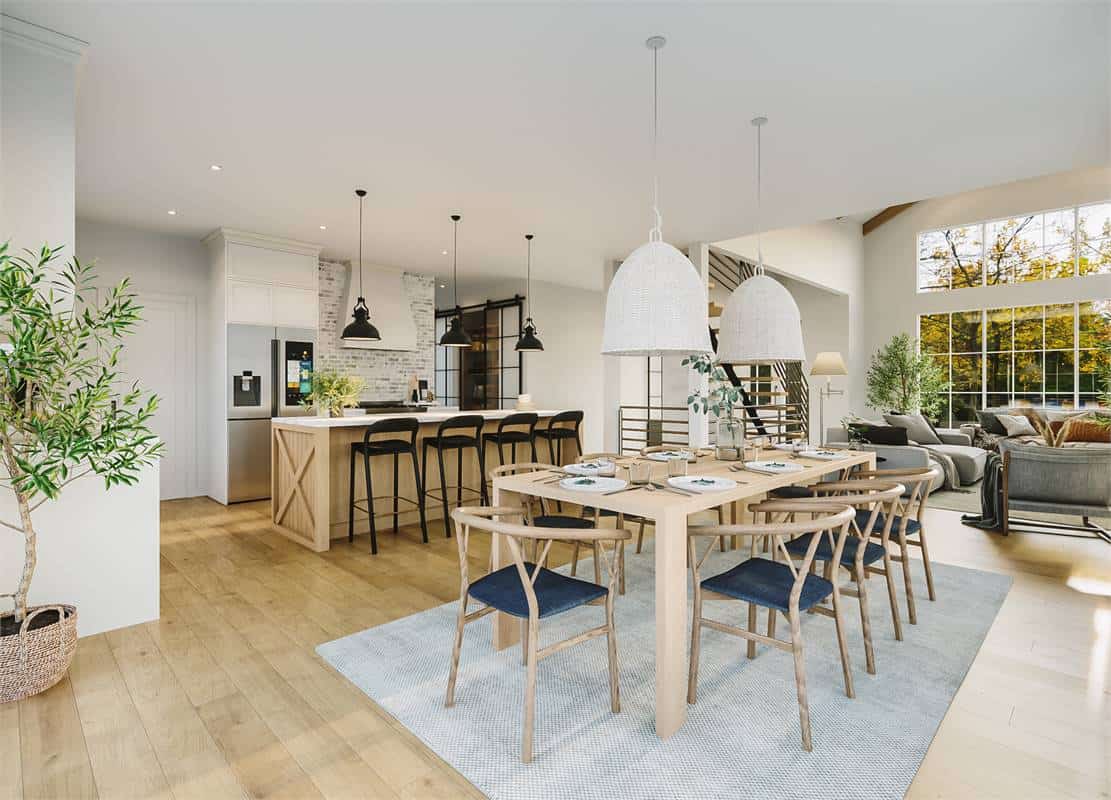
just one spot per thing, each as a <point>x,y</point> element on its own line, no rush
<point>224,696</point>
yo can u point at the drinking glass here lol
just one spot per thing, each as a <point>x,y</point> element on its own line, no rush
<point>608,469</point>
<point>676,467</point>
<point>639,472</point>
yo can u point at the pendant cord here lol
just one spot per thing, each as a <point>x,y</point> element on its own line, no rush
<point>528,281</point>
<point>361,247</point>
<point>455,260</point>
<point>759,176</point>
<point>656,234</point>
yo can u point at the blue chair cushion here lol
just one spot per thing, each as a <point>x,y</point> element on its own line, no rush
<point>791,492</point>
<point>559,521</point>
<point>555,593</point>
<point>862,515</point>
<point>768,583</point>
<point>873,551</point>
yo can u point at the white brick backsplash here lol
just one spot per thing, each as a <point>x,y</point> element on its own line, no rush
<point>386,371</point>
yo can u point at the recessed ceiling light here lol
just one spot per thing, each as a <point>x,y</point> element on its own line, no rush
<point>172,212</point>
<point>443,252</point>
<point>443,285</point>
<point>323,227</point>
<point>215,167</point>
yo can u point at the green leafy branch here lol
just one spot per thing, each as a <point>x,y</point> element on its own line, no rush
<point>721,396</point>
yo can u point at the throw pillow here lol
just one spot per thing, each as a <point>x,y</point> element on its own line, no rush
<point>989,421</point>
<point>883,434</point>
<point>916,426</point>
<point>1088,430</point>
<point>1017,425</point>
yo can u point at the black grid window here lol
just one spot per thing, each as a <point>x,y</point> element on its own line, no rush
<point>488,374</point>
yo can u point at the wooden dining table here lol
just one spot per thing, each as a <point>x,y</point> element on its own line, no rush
<point>668,512</point>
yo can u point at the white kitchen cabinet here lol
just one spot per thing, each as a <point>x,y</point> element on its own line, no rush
<point>250,302</point>
<point>270,265</point>
<point>294,307</point>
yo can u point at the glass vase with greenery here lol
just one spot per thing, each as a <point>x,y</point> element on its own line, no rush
<point>333,391</point>
<point>62,413</point>
<point>904,380</point>
<point>720,397</point>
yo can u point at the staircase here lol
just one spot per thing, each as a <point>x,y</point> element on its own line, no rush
<point>776,400</point>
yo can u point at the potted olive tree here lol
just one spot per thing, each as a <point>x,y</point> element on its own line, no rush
<point>62,417</point>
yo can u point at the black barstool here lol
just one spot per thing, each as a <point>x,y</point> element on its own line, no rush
<point>385,447</point>
<point>557,433</point>
<point>443,440</point>
<point>505,436</point>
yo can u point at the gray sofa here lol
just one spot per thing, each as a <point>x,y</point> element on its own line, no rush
<point>899,456</point>
<point>961,463</point>
<point>1056,480</point>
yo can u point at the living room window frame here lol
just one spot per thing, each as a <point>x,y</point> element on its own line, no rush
<point>983,353</point>
<point>982,225</point>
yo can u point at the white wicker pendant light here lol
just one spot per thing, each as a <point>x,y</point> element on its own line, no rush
<point>656,303</point>
<point>760,323</point>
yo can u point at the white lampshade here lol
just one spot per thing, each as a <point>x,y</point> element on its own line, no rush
<point>656,305</point>
<point>760,324</point>
<point>828,364</point>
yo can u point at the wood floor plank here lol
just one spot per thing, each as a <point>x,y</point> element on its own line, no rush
<point>11,764</point>
<point>192,762</point>
<point>123,761</point>
<point>263,765</point>
<point>334,767</point>
<point>52,745</point>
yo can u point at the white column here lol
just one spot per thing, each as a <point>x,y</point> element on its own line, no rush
<point>97,549</point>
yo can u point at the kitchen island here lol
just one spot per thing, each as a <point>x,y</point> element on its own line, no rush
<point>310,463</point>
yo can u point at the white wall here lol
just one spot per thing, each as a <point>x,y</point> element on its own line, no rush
<point>568,374</point>
<point>890,254</point>
<point>161,265</point>
<point>830,256</point>
<point>37,142</point>
<point>98,549</point>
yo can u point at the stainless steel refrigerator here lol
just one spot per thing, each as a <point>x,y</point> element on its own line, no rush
<point>269,370</point>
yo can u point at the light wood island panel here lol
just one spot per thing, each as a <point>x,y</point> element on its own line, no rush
<point>310,468</point>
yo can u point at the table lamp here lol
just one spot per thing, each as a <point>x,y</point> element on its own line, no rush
<point>828,364</point>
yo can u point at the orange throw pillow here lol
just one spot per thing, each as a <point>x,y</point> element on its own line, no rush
<point>1088,431</point>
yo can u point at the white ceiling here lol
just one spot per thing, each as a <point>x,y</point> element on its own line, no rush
<point>534,118</point>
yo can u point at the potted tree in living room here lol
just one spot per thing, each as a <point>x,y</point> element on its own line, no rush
<point>904,380</point>
<point>62,417</point>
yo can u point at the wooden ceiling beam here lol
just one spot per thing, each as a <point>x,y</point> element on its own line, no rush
<point>888,213</point>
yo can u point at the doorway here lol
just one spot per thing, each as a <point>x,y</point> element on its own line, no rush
<point>161,356</point>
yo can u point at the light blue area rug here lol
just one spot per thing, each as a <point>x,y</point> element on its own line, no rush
<point>742,737</point>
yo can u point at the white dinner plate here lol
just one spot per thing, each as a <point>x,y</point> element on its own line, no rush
<point>702,483</point>
<point>593,484</point>
<point>590,468</point>
<point>822,455</point>
<point>774,467</point>
<point>667,455</point>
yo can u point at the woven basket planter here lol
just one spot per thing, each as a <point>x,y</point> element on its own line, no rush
<point>32,661</point>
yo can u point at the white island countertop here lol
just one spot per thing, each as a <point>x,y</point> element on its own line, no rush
<point>438,415</point>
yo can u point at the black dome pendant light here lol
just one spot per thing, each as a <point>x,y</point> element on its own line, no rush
<point>455,336</point>
<point>360,330</point>
<point>528,343</point>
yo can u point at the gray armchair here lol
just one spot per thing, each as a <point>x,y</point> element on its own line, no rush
<point>1056,480</point>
